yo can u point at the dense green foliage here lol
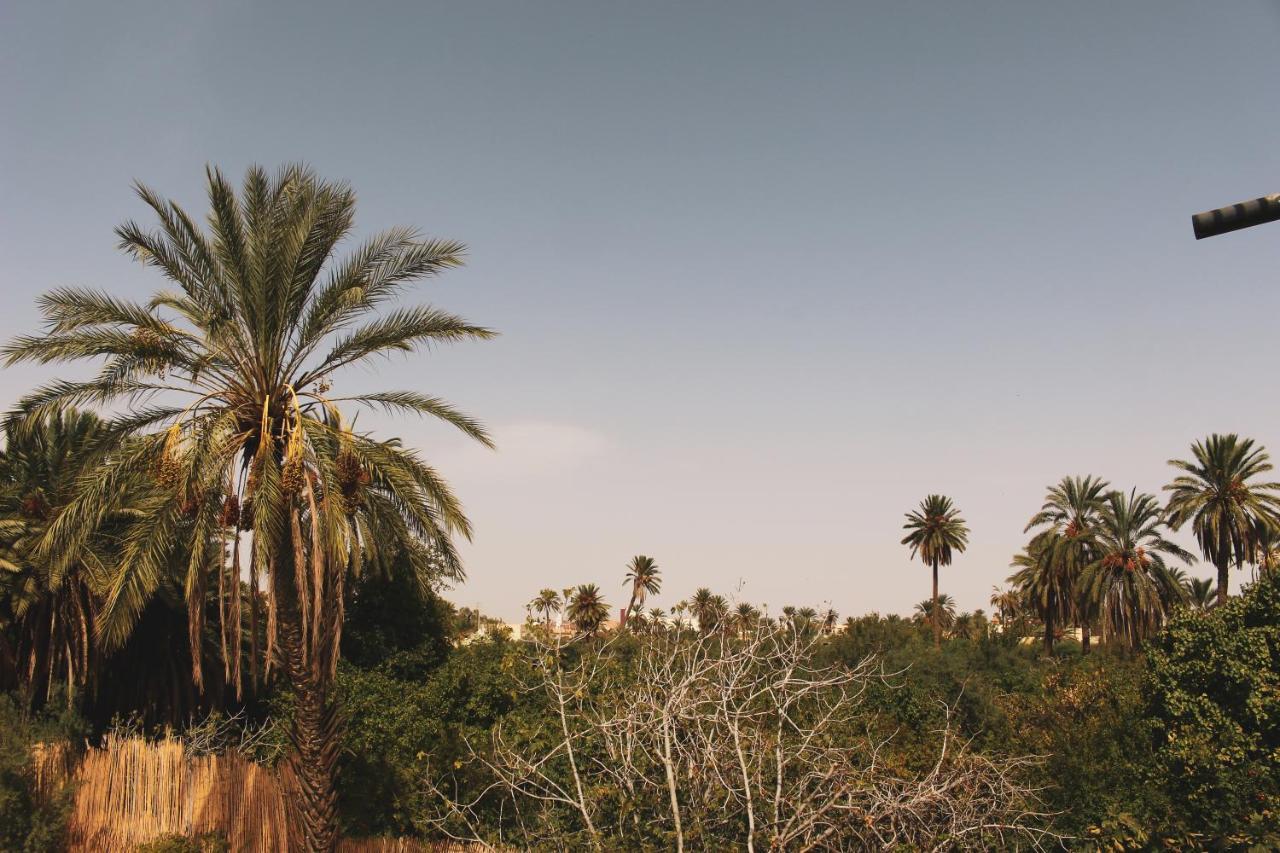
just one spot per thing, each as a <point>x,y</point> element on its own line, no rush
<point>1177,744</point>
<point>28,822</point>
<point>1215,698</point>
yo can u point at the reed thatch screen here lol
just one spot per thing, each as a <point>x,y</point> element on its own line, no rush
<point>131,791</point>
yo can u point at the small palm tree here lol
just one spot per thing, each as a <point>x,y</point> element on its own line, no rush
<point>707,608</point>
<point>1045,583</point>
<point>745,617</point>
<point>1219,494</point>
<point>944,606</point>
<point>1130,583</point>
<point>657,619</point>
<point>1008,605</point>
<point>587,609</point>
<point>1266,537</point>
<point>227,381</point>
<point>547,602</point>
<point>804,620</point>
<point>830,619</point>
<point>1201,594</point>
<point>935,532</point>
<point>645,580</point>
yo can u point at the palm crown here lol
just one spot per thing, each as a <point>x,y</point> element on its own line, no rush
<point>936,530</point>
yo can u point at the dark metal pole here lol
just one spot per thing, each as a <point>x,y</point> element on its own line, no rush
<point>1211,223</point>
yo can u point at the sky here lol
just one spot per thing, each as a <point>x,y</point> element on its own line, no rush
<point>765,274</point>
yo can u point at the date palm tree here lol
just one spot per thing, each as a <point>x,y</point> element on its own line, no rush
<point>703,609</point>
<point>1008,604</point>
<point>1044,583</point>
<point>1069,519</point>
<point>1200,593</point>
<point>1266,538</point>
<point>228,383</point>
<point>645,580</point>
<point>745,617</point>
<point>547,602</point>
<point>805,620</point>
<point>48,618</point>
<point>936,532</point>
<point>943,605</point>
<point>1219,494</point>
<point>1131,584</point>
<point>587,609</point>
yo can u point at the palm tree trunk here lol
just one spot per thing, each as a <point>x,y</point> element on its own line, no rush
<point>626,614</point>
<point>1048,631</point>
<point>314,728</point>
<point>1224,567</point>
<point>937,621</point>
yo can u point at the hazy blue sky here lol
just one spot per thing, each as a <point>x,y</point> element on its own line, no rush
<point>766,274</point>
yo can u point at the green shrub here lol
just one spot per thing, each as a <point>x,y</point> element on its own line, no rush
<point>27,822</point>
<point>1214,698</point>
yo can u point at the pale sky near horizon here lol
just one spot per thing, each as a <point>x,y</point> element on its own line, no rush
<point>766,274</point>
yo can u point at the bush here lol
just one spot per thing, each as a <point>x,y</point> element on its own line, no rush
<point>1214,698</point>
<point>399,731</point>
<point>28,822</point>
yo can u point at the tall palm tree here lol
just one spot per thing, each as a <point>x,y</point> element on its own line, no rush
<point>645,580</point>
<point>587,609</point>
<point>1225,508</point>
<point>228,380</point>
<point>944,606</point>
<point>935,532</point>
<point>546,602</point>
<point>1069,519</point>
<point>1130,582</point>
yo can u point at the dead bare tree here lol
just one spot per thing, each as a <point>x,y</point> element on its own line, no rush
<point>709,741</point>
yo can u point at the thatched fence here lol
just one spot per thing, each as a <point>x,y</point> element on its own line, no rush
<point>131,791</point>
